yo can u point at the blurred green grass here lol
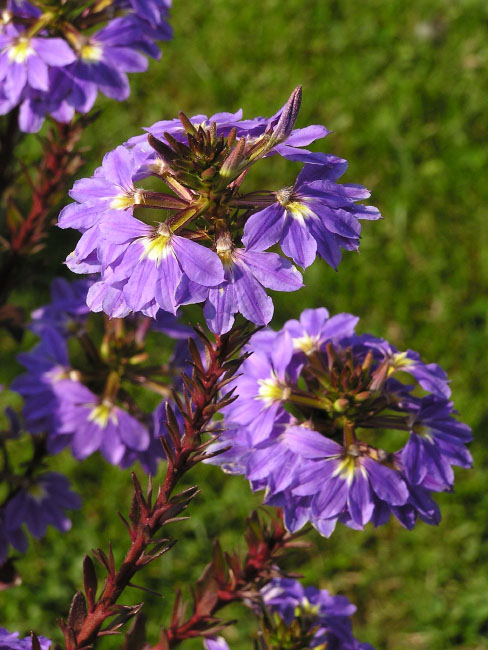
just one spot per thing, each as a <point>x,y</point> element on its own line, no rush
<point>403,87</point>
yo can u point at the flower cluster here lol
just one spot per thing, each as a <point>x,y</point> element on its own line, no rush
<point>11,641</point>
<point>53,62</point>
<point>208,241</point>
<point>39,502</point>
<point>302,617</point>
<point>314,403</point>
<point>90,407</point>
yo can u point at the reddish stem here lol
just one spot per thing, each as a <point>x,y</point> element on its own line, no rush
<point>204,402</point>
<point>241,581</point>
<point>57,166</point>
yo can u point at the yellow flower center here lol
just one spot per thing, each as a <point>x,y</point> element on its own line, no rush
<point>91,52</point>
<point>102,413</point>
<point>347,467</point>
<point>125,200</point>
<point>157,248</point>
<point>270,390</point>
<point>419,428</point>
<point>296,209</point>
<point>398,361</point>
<point>37,492</point>
<point>306,607</point>
<point>307,344</point>
<point>21,51</point>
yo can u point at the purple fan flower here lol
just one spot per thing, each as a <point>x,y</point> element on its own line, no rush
<point>94,424</point>
<point>191,252</point>
<point>46,365</point>
<point>246,273</point>
<point>45,75</point>
<point>340,478</point>
<point>154,12</point>
<point>56,402</point>
<point>25,62</point>
<point>313,217</point>
<point>11,641</point>
<point>19,9</point>
<point>105,58</point>
<point>155,261</point>
<point>437,441</point>
<point>41,504</point>
<point>431,377</point>
<point>305,396</point>
<point>269,372</point>
<point>109,191</point>
<point>328,615</point>
<point>110,188</point>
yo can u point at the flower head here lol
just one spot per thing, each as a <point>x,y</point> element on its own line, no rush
<point>202,239</point>
<point>313,401</point>
<point>314,217</point>
<point>50,63</point>
<point>89,405</point>
<point>43,502</point>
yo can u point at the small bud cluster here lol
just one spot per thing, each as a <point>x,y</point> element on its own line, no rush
<point>208,239</point>
<point>53,62</point>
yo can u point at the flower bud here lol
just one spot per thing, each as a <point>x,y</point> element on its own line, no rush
<point>288,118</point>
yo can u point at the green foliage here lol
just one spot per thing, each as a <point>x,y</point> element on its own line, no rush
<point>402,85</point>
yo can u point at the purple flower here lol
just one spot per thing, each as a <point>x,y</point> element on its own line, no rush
<point>305,397</point>
<point>155,12</point>
<point>326,616</point>
<point>110,188</point>
<point>25,61</point>
<point>11,641</point>
<point>192,252</point>
<point>105,57</point>
<point>95,424</point>
<point>340,478</point>
<point>313,217</point>
<point>109,191</point>
<point>55,401</point>
<point>318,618</point>
<point>42,73</point>
<point>431,377</point>
<point>42,503</point>
<point>246,273</point>
<point>155,261</point>
<point>437,441</point>
<point>46,365</point>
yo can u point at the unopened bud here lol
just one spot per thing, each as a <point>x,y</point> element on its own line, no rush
<point>187,125</point>
<point>363,396</point>
<point>341,404</point>
<point>231,167</point>
<point>288,118</point>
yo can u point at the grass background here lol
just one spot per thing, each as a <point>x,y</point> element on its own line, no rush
<point>403,87</point>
